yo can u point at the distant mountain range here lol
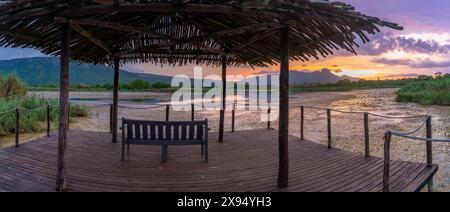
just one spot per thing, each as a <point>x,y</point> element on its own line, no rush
<point>45,70</point>
<point>308,77</point>
<point>323,76</point>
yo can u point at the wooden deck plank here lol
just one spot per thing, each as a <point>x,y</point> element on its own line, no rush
<point>246,161</point>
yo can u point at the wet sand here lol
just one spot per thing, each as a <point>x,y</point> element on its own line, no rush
<point>347,129</point>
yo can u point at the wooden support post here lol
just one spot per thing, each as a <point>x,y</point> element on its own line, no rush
<point>115,98</point>
<point>366,135</point>
<point>302,123</point>
<point>17,126</point>
<point>111,112</point>
<point>233,114</point>
<point>268,116</point>
<point>283,132</point>
<point>48,120</point>
<point>192,112</point>
<point>223,99</point>
<point>387,160</point>
<point>63,108</point>
<point>429,143</point>
<point>167,112</point>
<point>329,127</point>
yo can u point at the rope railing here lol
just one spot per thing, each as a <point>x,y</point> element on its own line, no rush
<point>426,123</point>
<point>18,111</point>
<point>97,106</point>
<point>409,135</point>
<point>439,140</point>
<point>6,111</point>
<point>363,112</point>
<point>140,108</point>
<point>366,124</point>
<point>401,134</point>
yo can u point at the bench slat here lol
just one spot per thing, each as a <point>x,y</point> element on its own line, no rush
<point>137,131</point>
<point>184,131</point>
<point>145,131</point>
<point>199,131</point>
<point>130,131</point>
<point>191,131</point>
<point>168,132</point>
<point>152,132</point>
<point>176,132</point>
<point>160,132</point>
<point>164,142</point>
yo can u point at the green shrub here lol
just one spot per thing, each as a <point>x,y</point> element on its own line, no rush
<point>426,91</point>
<point>11,87</point>
<point>33,114</point>
<point>160,85</point>
<point>136,85</point>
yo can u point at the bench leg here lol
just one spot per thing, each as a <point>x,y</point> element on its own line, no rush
<point>203,149</point>
<point>206,152</point>
<point>430,185</point>
<point>128,149</point>
<point>164,153</point>
<point>123,151</point>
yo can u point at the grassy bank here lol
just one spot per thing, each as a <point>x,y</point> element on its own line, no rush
<point>426,91</point>
<point>32,110</point>
<point>136,85</point>
<point>346,85</point>
<point>33,114</point>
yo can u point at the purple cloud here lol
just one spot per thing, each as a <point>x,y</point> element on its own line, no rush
<point>384,42</point>
<point>401,75</point>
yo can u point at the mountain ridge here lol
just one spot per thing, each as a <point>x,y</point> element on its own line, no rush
<point>45,70</point>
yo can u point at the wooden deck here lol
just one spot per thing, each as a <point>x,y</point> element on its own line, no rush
<point>246,161</point>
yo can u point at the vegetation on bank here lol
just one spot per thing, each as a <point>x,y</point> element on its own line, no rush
<point>33,110</point>
<point>347,85</point>
<point>427,91</point>
<point>136,85</point>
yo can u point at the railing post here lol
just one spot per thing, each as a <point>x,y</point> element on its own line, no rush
<point>268,116</point>
<point>329,127</point>
<point>167,112</point>
<point>17,126</point>
<point>429,143</point>
<point>302,122</point>
<point>192,112</point>
<point>366,135</point>
<point>233,116</point>
<point>48,121</point>
<point>387,160</point>
<point>111,111</point>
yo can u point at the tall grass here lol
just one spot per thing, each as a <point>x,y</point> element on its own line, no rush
<point>426,91</point>
<point>33,114</point>
<point>12,87</point>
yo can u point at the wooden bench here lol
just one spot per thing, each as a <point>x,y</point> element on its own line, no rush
<point>164,133</point>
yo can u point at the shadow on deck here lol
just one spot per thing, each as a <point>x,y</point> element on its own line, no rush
<point>246,161</point>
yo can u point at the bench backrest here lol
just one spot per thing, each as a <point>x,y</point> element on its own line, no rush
<point>164,130</point>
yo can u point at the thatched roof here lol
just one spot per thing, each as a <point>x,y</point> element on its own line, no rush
<point>182,31</point>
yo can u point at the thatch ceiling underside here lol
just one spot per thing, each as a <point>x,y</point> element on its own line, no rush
<point>183,31</point>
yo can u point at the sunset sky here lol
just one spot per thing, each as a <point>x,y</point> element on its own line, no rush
<point>422,48</point>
